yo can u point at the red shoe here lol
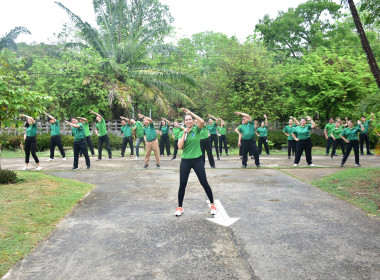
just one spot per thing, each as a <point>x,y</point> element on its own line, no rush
<point>213,210</point>
<point>179,211</point>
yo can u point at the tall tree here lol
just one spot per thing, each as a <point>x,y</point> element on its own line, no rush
<point>8,40</point>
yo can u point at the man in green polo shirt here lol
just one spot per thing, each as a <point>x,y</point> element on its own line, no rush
<point>55,137</point>
<point>127,133</point>
<point>101,130</point>
<point>328,130</point>
<point>262,133</point>
<point>212,127</point>
<point>177,129</point>
<point>222,131</point>
<point>363,135</point>
<point>335,134</point>
<point>206,145</point>
<point>151,142</point>
<point>138,131</point>
<point>79,142</point>
<point>87,135</point>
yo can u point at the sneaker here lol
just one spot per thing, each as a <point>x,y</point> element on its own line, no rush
<point>64,158</point>
<point>326,155</point>
<point>357,165</point>
<point>311,165</point>
<point>39,168</point>
<point>122,155</point>
<point>25,168</point>
<point>362,154</point>
<point>218,158</point>
<point>110,158</point>
<point>258,166</point>
<point>88,167</point>
<point>50,159</point>
<point>243,166</point>
<point>227,155</point>
<point>335,155</point>
<point>295,165</point>
<point>341,165</point>
<point>289,157</point>
<point>93,155</point>
<point>213,210</point>
<point>332,157</point>
<point>213,166</point>
<point>146,166</point>
<point>369,154</point>
<point>98,159</point>
<point>75,168</point>
<point>157,165</point>
<point>173,158</point>
<point>179,211</point>
<point>136,158</point>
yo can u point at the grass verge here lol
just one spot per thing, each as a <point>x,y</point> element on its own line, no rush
<point>359,186</point>
<point>30,210</point>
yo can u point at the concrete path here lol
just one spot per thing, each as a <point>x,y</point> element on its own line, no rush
<point>126,228</point>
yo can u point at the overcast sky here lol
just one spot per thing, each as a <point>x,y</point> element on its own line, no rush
<point>237,17</point>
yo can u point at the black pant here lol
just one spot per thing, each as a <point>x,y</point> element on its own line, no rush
<point>329,144</point>
<point>89,144</point>
<point>249,146</point>
<point>31,146</point>
<point>337,142</point>
<point>165,142</point>
<point>364,137</point>
<point>291,147</point>
<point>56,141</point>
<point>241,151</point>
<point>104,139</point>
<point>301,146</point>
<point>175,148</point>
<point>355,145</point>
<point>80,146</point>
<point>206,146</point>
<point>127,140</point>
<point>184,172</point>
<point>265,141</point>
<point>223,140</point>
<point>214,138</point>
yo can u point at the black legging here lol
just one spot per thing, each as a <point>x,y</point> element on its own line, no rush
<point>301,146</point>
<point>80,146</point>
<point>353,144</point>
<point>263,140</point>
<point>337,142</point>
<point>206,147</point>
<point>223,140</point>
<point>56,141</point>
<point>184,171</point>
<point>31,146</point>
<point>89,144</point>
<point>165,141</point>
<point>127,140</point>
<point>249,146</point>
<point>175,148</point>
<point>104,139</point>
<point>330,141</point>
<point>364,138</point>
<point>214,138</point>
<point>291,147</point>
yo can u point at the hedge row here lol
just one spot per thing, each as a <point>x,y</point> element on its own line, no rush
<point>12,142</point>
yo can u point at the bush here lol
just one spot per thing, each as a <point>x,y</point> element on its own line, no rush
<point>67,140</point>
<point>278,138</point>
<point>318,140</point>
<point>43,142</point>
<point>7,176</point>
<point>11,142</point>
<point>232,139</point>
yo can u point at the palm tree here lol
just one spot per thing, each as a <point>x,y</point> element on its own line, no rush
<point>124,39</point>
<point>8,40</point>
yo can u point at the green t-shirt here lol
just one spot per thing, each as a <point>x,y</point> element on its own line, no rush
<point>212,127</point>
<point>222,130</point>
<point>262,131</point>
<point>204,133</point>
<point>101,127</point>
<point>288,129</point>
<point>192,147</point>
<point>78,132</point>
<point>366,126</point>
<point>329,128</point>
<point>337,131</point>
<point>164,129</point>
<point>54,129</point>
<point>86,128</point>
<point>302,133</point>
<point>248,131</point>
<point>150,132</point>
<point>139,129</point>
<point>31,131</point>
<point>351,134</point>
<point>126,130</point>
<point>176,132</point>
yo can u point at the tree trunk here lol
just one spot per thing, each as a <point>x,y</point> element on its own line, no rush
<point>365,44</point>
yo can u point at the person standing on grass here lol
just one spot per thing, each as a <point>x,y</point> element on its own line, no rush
<point>247,139</point>
<point>328,130</point>
<point>301,134</point>
<point>55,137</point>
<point>262,133</point>
<point>212,126</point>
<point>151,142</point>
<point>337,140</point>
<point>189,142</point>
<point>87,135</point>
<point>127,133</point>
<point>164,141</point>
<point>350,136</point>
<point>77,131</point>
<point>222,131</point>
<point>101,131</point>
<point>206,146</point>
<point>177,129</point>
<point>30,138</point>
<point>288,132</point>
<point>138,131</point>
<point>363,135</point>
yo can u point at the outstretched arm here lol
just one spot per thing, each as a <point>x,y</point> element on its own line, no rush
<point>126,119</point>
<point>50,116</point>
<point>295,120</point>
<point>244,115</point>
<point>201,122</point>
<point>85,120</point>
<point>145,117</point>
<point>167,121</point>
<point>71,124</point>
<point>312,122</point>
<point>28,117</point>
<point>92,112</point>
<point>266,120</point>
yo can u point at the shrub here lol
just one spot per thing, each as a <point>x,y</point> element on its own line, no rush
<point>278,138</point>
<point>318,140</point>
<point>43,142</point>
<point>67,140</point>
<point>7,176</point>
<point>232,139</point>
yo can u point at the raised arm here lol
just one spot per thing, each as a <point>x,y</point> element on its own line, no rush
<point>28,117</point>
<point>201,122</point>
<point>50,116</point>
<point>167,121</point>
<point>361,125</point>
<point>295,120</point>
<point>266,120</point>
<point>373,117</point>
<point>85,120</point>
<point>145,117</point>
<point>92,112</point>
<point>126,119</point>
<point>311,121</point>
<point>71,124</point>
<point>211,116</point>
<point>244,115</point>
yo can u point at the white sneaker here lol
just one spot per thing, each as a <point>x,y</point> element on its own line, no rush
<point>50,159</point>
<point>25,168</point>
<point>295,165</point>
<point>311,165</point>
<point>179,211</point>
<point>39,168</point>
<point>213,210</point>
<point>136,158</point>
<point>64,158</point>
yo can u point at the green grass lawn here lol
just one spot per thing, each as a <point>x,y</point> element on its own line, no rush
<point>359,186</point>
<point>30,210</point>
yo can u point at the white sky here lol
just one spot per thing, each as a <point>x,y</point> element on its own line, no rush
<point>231,17</point>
